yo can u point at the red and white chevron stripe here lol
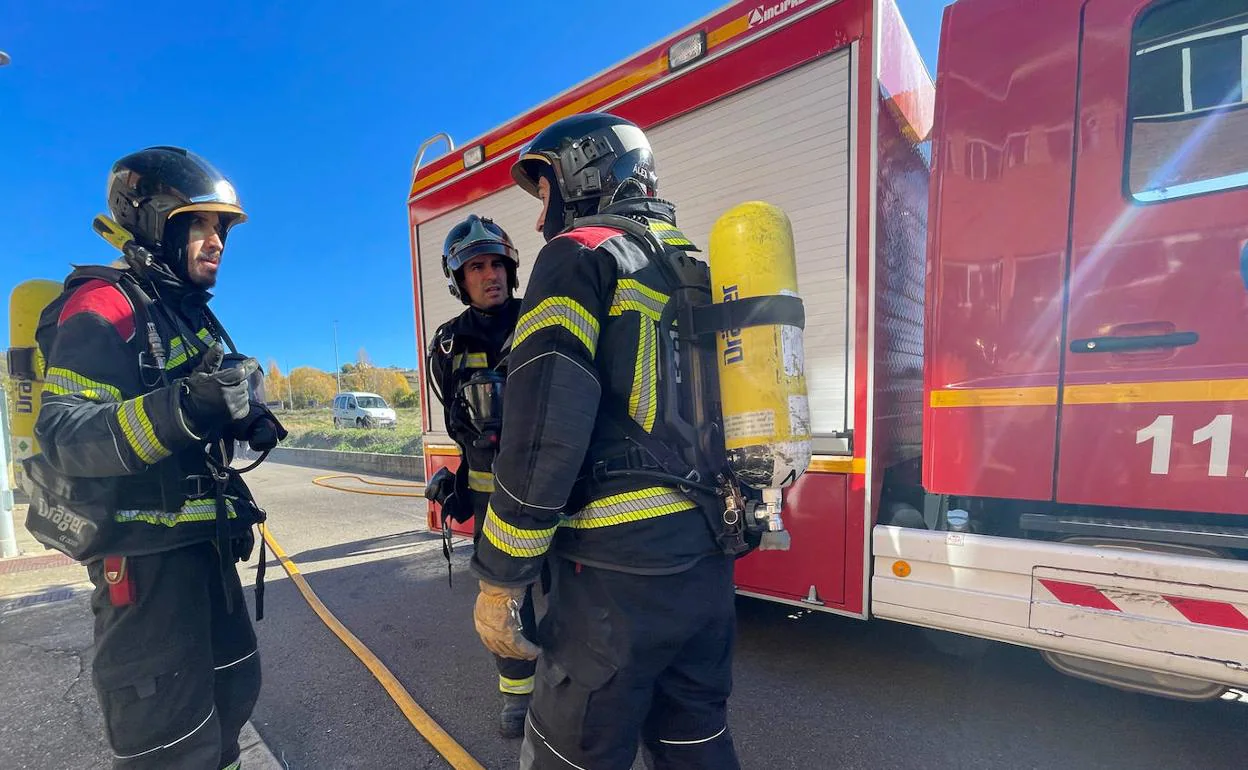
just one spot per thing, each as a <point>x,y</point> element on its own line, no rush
<point>1159,606</point>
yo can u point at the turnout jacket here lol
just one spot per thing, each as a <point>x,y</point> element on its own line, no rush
<point>585,352</point>
<point>473,340</point>
<point>107,412</point>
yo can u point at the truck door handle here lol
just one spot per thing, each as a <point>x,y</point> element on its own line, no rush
<point>1137,342</point>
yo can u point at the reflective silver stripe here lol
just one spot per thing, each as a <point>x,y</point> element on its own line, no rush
<point>643,401</point>
<point>140,434</point>
<point>498,483</point>
<point>180,352</point>
<point>471,361</point>
<point>669,233</point>
<point>630,506</point>
<point>177,353</point>
<point>212,711</point>
<point>631,294</point>
<point>193,510</point>
<point>63,382</point>
<point>481,481</point>
<point>560,311</point>
<point>236,662</point>
<point>513,541</point>
<point>515,686</point>
<point>700,740</point>
<point>545,743</point>
<point>578,364</point>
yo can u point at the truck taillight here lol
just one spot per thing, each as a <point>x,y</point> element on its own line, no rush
<point>686,50</point>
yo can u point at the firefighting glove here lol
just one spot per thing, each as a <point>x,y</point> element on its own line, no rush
<point>441,490</point>
<point>497,618</point>
<point>260,428</point>
<point>212,397</point>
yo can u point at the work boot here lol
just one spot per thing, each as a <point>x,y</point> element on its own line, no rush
<point>511,721</point>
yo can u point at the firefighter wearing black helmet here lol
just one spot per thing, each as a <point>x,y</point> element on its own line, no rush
<point>637,642</point>
<point>140,408</point>
<point>466,362</point>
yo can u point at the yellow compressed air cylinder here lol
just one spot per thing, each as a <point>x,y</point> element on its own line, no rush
<point>26,303</point>
<point>762,378</point>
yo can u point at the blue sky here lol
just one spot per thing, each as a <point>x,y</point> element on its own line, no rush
<point>313,111</point>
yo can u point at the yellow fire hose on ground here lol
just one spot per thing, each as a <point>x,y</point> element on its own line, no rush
<point>323,481</point>
<point>441,741</point>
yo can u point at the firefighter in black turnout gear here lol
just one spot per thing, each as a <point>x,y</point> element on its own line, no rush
<point>466,361</point>
<point>141,407</point>
<point>637,641</point>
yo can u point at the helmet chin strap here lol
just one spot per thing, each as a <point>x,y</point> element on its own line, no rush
<point>173,258</point>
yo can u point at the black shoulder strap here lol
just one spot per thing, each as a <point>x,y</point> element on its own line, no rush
<point>628,225</point>
<point>219,328</point>
<point>127,284</point>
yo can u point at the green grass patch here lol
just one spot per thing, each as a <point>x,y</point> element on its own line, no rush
<point>314,429</point>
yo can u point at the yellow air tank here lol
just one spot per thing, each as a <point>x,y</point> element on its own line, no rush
<point>26,303</point>
<point>762,378</point>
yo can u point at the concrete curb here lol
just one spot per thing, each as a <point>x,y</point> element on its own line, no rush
<point>255,752</point>
<point>395,466</point>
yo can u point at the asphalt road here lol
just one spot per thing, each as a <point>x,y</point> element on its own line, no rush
<point>812,690</point>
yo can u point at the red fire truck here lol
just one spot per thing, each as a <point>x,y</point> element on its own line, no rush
<point>1024,349</point>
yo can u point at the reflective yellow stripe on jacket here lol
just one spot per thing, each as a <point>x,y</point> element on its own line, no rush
<point>481,481</point>
<point>63,382</point>
<point>471,361</point>
<point>560,311</point>
<point>193,510</point>
<point>515,686</point>
<point>180,352</point>
<point>643,399</point>
<point>524,543</point>
<point>626,507</point>
<point>631,294</point>
<point>139,433</point>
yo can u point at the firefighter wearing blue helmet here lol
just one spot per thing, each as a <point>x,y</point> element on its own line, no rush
<point>467,368</point>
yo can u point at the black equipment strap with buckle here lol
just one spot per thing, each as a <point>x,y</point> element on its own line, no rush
<point>776,309</point>
<point>693,322</point>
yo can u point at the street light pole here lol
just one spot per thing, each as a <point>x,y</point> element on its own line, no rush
<point>337,368</point>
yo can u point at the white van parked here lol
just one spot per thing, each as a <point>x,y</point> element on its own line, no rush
<point>362,410</point>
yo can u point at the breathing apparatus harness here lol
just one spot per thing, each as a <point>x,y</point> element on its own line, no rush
<point>152,359</point>
<point>688,326</point>
<point>480,398</point>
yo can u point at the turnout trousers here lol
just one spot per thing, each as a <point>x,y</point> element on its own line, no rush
<point>176,674</point>
<point>634,658</point>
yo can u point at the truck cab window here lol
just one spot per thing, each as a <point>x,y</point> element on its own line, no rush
<point>1188,103</point>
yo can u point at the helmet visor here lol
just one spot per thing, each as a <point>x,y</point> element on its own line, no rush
<point>476,237</point>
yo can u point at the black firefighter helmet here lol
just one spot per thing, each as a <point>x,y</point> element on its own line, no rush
<point>148,188</point>
<point>473,237</point>
<point>595,159</point>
